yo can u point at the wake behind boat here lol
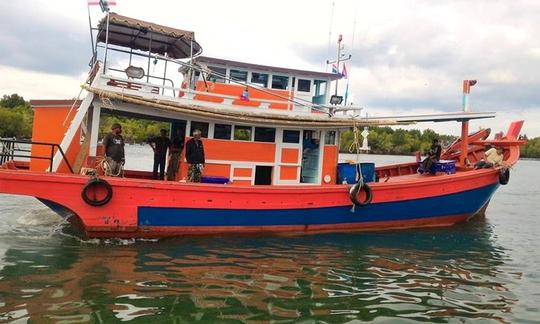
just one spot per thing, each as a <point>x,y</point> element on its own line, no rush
<point>271,143</point>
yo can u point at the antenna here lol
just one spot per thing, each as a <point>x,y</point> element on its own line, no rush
<point>330,32</point>
<point>340,58</point>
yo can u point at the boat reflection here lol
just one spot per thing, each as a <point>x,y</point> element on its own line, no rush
<point>419,275</point>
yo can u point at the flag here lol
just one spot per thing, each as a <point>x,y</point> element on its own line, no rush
<point>335,69</point>
<point>344,72</point>
<point>93,2</point>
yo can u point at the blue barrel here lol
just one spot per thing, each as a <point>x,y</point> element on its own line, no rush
<point>214,179</point>
<point>347,172</point>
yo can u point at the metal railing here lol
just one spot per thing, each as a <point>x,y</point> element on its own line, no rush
<point>9,151</point>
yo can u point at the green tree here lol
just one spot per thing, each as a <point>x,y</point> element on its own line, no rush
<point>12,101</point>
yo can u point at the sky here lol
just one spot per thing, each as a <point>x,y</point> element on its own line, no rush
<point>408,56</point>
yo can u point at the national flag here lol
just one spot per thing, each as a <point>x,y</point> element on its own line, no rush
<point>344,72</point>
<point>335,69</point>
<point>93,2</point>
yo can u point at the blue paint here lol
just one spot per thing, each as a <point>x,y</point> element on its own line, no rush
<point>466,202</point>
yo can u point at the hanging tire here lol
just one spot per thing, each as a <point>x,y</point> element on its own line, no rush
<point>504,176</point>
<point>95,184</point>
<point>356,189</point>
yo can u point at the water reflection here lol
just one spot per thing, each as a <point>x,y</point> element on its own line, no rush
<point>418,275</point>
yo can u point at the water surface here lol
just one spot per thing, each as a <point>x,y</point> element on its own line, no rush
<point>486,270</point>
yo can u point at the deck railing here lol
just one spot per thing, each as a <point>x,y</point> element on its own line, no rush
<point>10,150</point>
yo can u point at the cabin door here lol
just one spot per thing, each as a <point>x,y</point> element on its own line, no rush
<point>310,157</point>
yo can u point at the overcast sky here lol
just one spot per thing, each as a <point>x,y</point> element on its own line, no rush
<point>407,56</point>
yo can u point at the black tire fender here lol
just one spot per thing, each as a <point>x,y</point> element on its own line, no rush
<point>504,176</point>
<point>94,183</point>
<point>361,186</point>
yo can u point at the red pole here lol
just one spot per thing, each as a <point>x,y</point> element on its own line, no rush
<point>464,142</point>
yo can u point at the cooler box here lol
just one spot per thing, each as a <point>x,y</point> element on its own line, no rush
<point>347,172</point>
<point>210,179</point>
<point>446,166</point>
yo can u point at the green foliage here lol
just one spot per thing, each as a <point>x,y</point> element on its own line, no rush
<point>12,101</point>
<point>133,130</point>
<point>531,149</point>
<point>16,117</point>
<point>385,140</point>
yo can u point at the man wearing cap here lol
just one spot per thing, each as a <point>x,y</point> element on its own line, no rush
<point>195,157</point>
<point>160,145</point>
<point>113,144</point>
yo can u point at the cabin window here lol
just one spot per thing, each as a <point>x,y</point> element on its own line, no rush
<point>330,138</point>
<point>238,75</point>
<point>280,82</point>
<point>260,79</point>
<point>222,131</point>
<point>202,126</point>
<point>218,74</point>
<point>263,134</point>
<point>320,87</point>
<point>291,136</point>
<point>242,133</point>
<point>304,85</point>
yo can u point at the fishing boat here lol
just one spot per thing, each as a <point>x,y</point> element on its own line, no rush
<point>271,138</point>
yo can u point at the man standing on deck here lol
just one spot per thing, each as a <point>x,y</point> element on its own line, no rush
<point>177,145</point>
<point>113,143</point>
<point>159,145</point>
<point>195,157</point>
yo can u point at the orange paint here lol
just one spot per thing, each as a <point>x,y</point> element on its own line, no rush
<point>288,173</point>
<point>239,151</point>
<point>242,172</point>
<point>48,127</point>
<point>221,170</point>
<point>289,155</point>
<point>235,90</point>
<point>241,183</point>
<point>329,166</point>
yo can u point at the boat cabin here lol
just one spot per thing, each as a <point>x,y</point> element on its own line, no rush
<point>262,125</point>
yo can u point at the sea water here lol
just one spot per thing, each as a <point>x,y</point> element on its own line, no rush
<point>487,270</point>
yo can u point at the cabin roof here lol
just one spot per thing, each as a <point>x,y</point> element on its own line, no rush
<point>251,66</point>
<point>146,36</point>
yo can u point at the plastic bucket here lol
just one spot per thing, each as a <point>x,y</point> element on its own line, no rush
<point>347,172</point>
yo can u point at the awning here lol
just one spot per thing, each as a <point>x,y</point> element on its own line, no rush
<point>146,36</point>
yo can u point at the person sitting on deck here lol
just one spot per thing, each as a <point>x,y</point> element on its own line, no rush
<point>433,155</point>
<point>113,144</point>
<point>177,145</point>
<point>160,145</point>
<point>492,158</point>
<point>195,157</point>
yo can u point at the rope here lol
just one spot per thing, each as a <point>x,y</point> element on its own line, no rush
<point>107,169</point>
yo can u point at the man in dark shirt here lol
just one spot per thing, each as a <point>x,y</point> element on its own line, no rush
<point>177,145</point>
<point>113,144</point>
<point>433,155</point>
<point>160,145</point>
<point>195,157</point>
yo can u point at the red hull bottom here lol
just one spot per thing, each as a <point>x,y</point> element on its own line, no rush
<point>170,231</point>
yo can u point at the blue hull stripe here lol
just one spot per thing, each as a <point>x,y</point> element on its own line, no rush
<point>462,203</point>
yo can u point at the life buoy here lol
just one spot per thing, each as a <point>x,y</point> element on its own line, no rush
<point>504,176</point>
<point>361,186</point>
<point>95,184</point>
